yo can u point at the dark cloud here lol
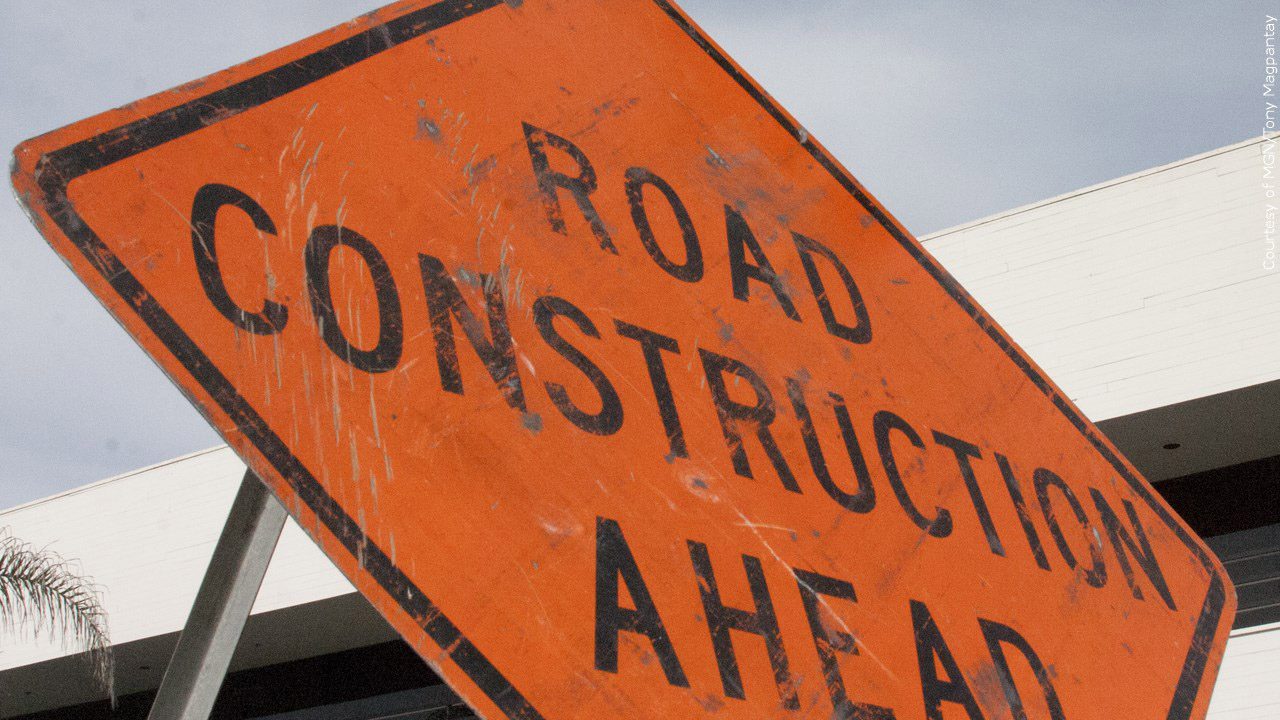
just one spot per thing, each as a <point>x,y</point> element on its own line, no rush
<point>946,111</point>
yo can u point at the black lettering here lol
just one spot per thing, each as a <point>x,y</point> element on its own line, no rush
<point>965,453</point>
<point>997,637</point>
<point>1045,479</point>
<point>1141,548</point>
<point>609,419</point>
<point>204,216</point>
<point>551,181</point>
<point>653,344</point>
<point>860,331</point>
<point>741,240</point>
<point>320,246</point>
<point>760,415</point>
<point>691,270</point>
<point>862,501</point>
<point>883,423</point>
<point>829,641</point>
<point>1020,505</point>
<point>931,646</point>
<point>763,622</point>
<point>445,303</point>
<point>614,561</point>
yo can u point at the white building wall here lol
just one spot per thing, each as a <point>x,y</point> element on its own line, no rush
<point>146,538</point>
<point>1249,682</point>
<point>1137,293</point>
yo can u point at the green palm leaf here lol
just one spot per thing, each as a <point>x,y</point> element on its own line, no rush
<point>41,593</point>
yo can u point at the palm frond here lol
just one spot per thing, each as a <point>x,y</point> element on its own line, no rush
<point>40,593</point>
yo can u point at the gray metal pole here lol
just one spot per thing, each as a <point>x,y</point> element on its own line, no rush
<point>222,605</point>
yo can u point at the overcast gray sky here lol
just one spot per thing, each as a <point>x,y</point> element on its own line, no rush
<point>947,111</point>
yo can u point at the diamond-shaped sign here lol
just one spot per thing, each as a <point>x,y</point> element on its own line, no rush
<point>613,392</point>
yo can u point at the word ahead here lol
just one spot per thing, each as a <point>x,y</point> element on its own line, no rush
<point>613,392</point>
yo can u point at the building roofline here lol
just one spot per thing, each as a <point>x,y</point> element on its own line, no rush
<point>114,478</point>
<point>1094,188</point>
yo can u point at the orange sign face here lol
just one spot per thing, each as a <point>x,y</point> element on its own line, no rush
<point>613,392</point>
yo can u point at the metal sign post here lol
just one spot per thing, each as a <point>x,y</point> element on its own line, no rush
<point>222,605</point>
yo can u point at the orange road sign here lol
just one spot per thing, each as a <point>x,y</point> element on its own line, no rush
<point>616,394</point>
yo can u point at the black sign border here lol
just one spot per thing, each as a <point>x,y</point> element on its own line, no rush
<point>56,170</point>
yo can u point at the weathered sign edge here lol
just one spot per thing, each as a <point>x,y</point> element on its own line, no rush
<point>55,170</point>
